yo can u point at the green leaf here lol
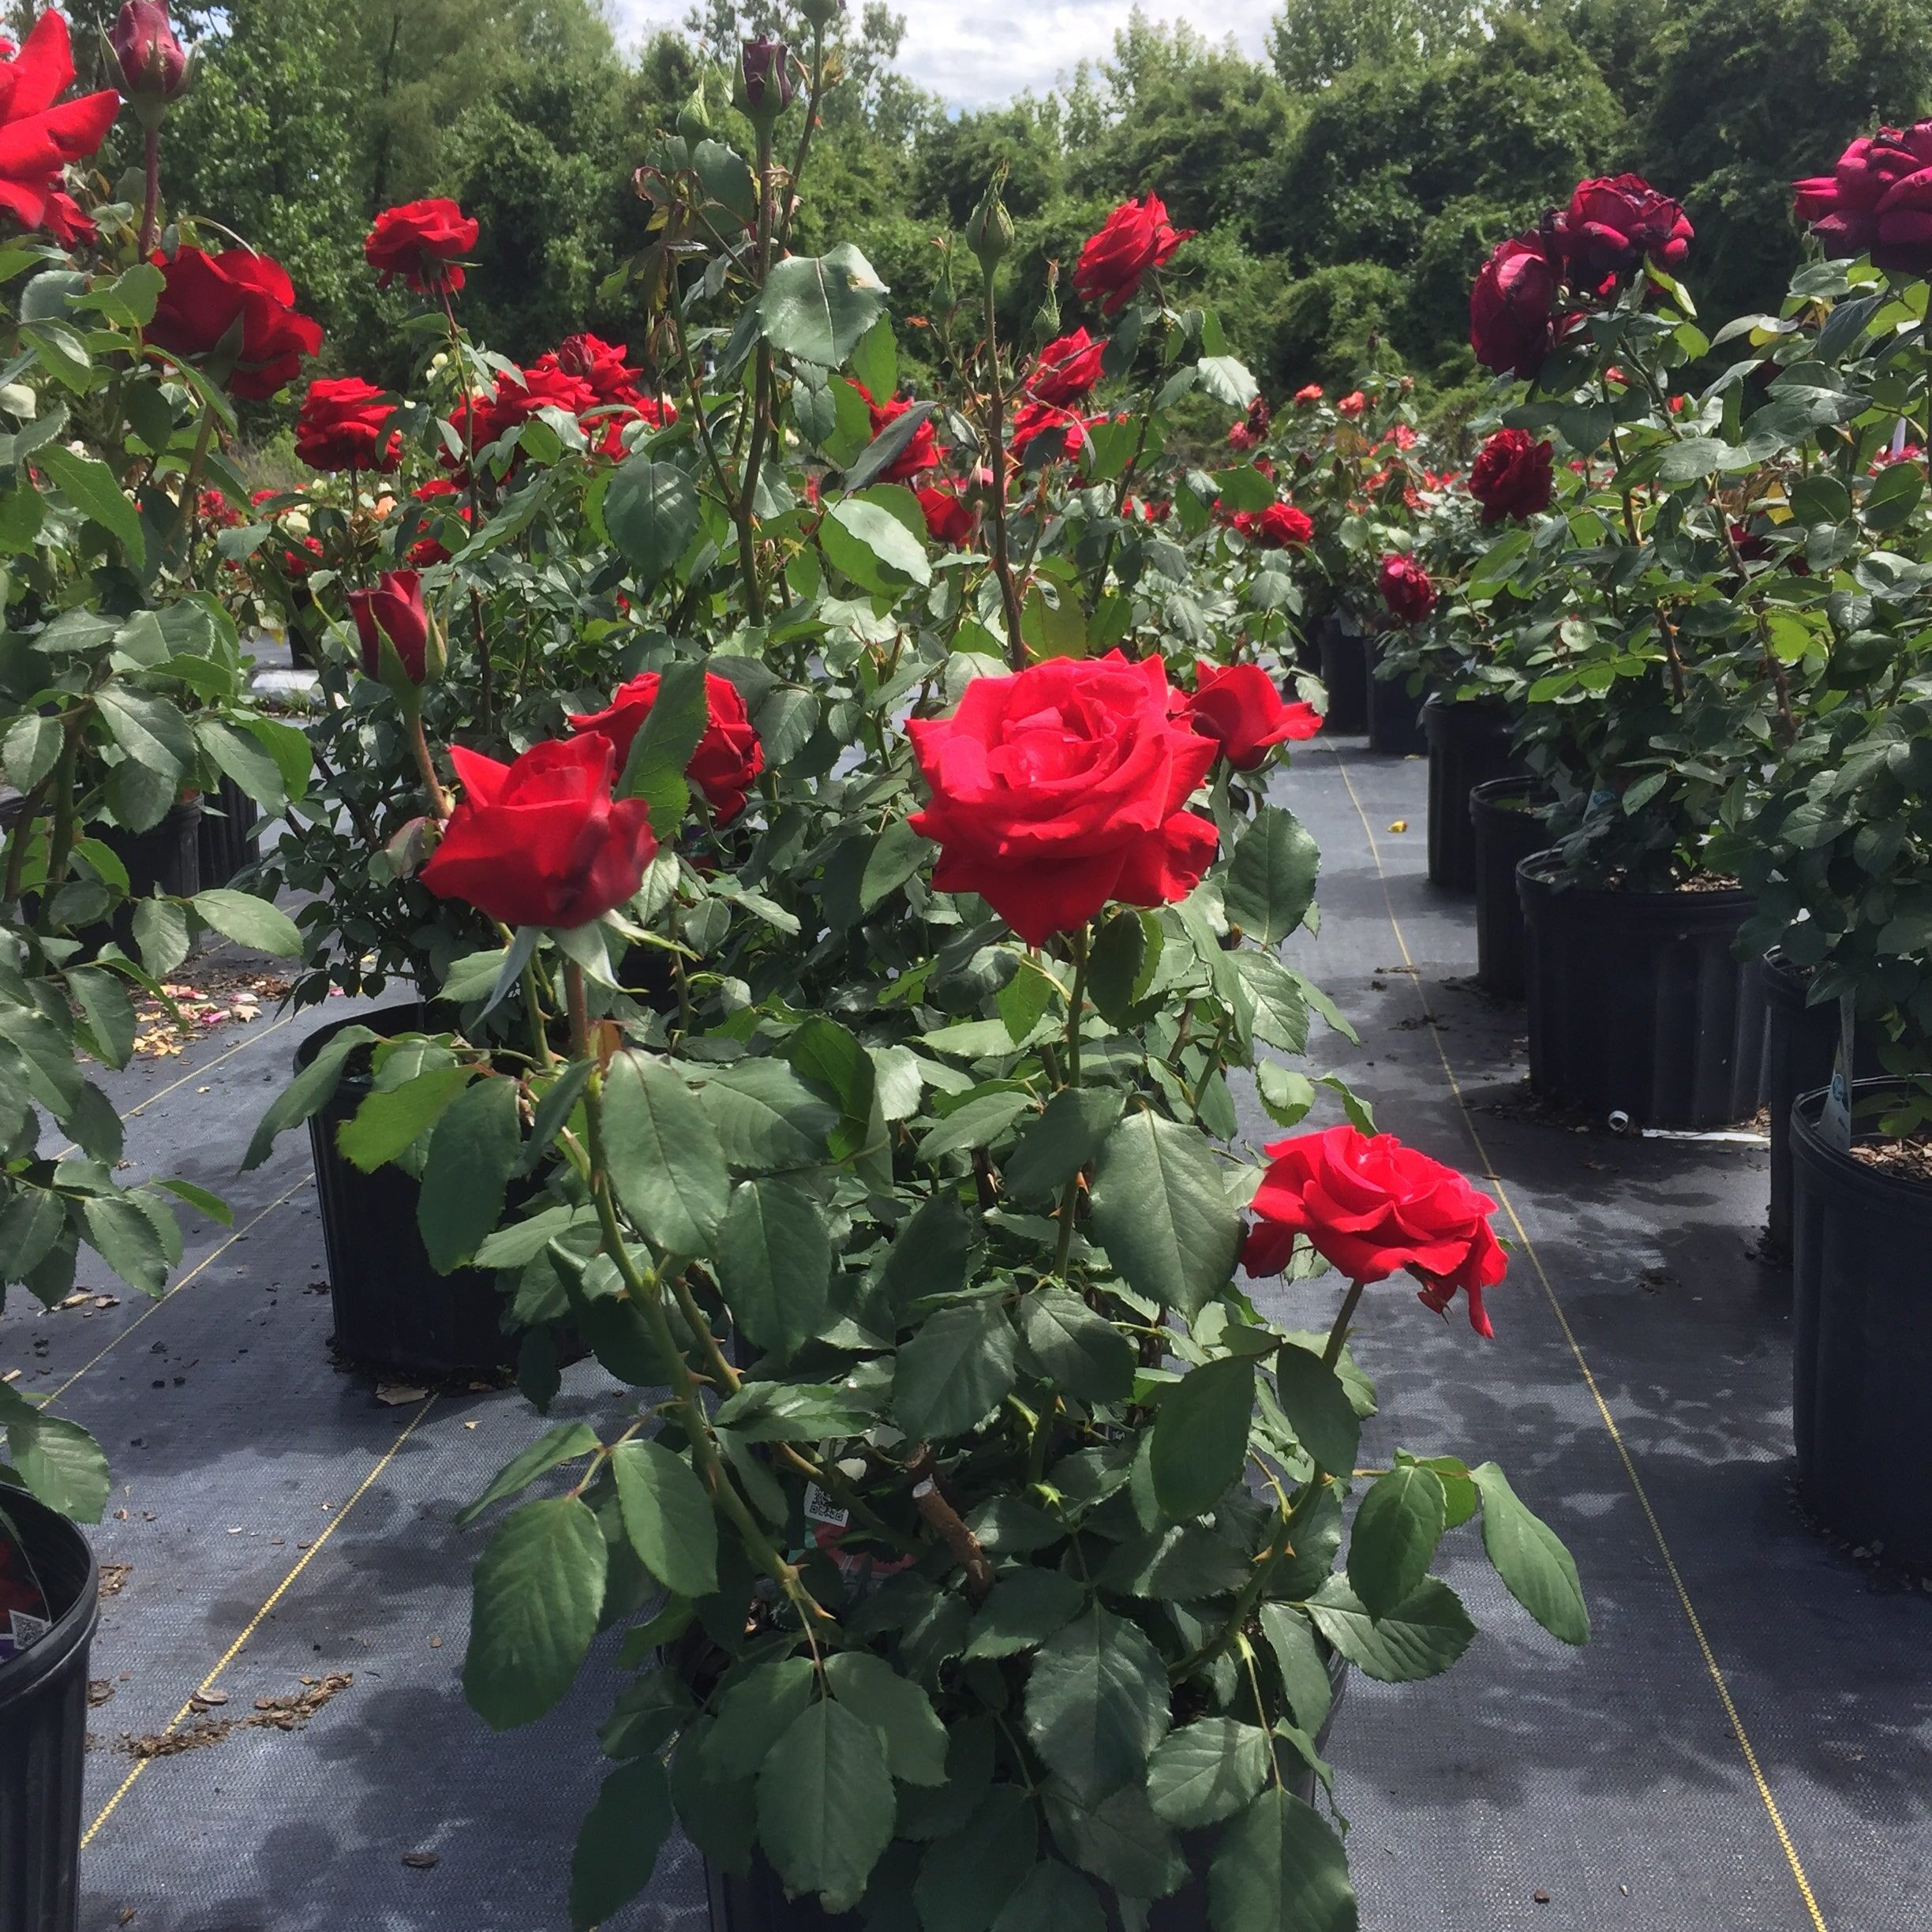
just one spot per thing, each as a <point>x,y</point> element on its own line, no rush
<point>250,922</point>
<point>898,1709</point>
<point>1207,1771</point>
<point>958,1368</point>
<point>774,1263</point>
<point>668,1517</point>
<point>240,755</point>
<point>1024,1608</point>
<point>31,1222</point>
<point>1079,1352</point>
<point>1317,1408</point>
<point>1530,1558</point>
<point>817,307</point>
<point>981,1123</point>
<point>1393,1542</point>
<point>825,1804</point>
<point>650,513</point>
<point>891,443</point>
<point>1097,1703</point>
<point>564,1443</point>
<point>872,547</point>
<point>390,1122</point>
<point>103,998</point>
<point>1280,1869</point>
<point>61,1463</point>
<point>1162,1213</point>
<point>661,752</point>
<point>1201,1435</point>
<point>91,488</point>
<point>897,854</point>
<point>1121,1840</point>
<point>664,1160</point>
<point>312,1088</point>
<point>753,1714</point>
<point>823,1050</point>
<point>1227,380</point>
<point>535,1595</point>
<point>619,1841</point>
<point>198,1198</point>
<point>969,1876</point>
<point>29,749</point>
<point>1305,1682</point>
<point>1052,1898</point>
<point>1122,968</point>
<point>473,1152</point>
<point>161,936</point>
<point>766,1118</point>
<point>1067,1137</point>
<point>1271,881</point>
<point>719,1816</point>
<point>122,1231</point>
<point>151,730</point>
<point>1421,1637</point>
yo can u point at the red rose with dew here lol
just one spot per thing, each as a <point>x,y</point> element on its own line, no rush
<point>1066,369</point>
<point>1371,1208</point>
<point>1063,787</point>
<point>421,241</point>
<point>728,758</point>
<point>1613,225</point>
<point>1135,238</point>
<point>344,425</point>
<point>395,610</point>
<point>541,842</point>
<point>1513,308</point>
<point>1240,707</point>
<point>1512,476</point>
<point>236,308</point>
<point>921,451</point>
<point>1405,588</point>
<point>38,138</point>
<point>949,516</point>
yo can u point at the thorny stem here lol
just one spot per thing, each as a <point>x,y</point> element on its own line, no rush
<point>438,799</point>
<point>151,191</point>
<point>946,1523</point>
<point>996,425</point>
<point>761,399</point>
<point>1070,1195</point>
<point>1254,1685</point>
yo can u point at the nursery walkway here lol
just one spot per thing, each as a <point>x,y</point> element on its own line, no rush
<point>1746,1744</point>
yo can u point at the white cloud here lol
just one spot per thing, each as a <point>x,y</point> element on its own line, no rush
<point>974,52</point>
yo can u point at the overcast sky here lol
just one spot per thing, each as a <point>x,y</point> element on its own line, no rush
<point>971,52</point>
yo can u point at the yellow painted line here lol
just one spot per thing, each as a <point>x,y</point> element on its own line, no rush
<point>1696,1623</point>
<point>255,1623</point>
<point>154,1308</point>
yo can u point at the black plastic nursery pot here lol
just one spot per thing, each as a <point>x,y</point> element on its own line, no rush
<point>1801,1042</point>
<point>1637,1004</point>
<point>167,858</point>
<point>1861,1341</point>
<point>392,1309</point>
<point>1394,717</point>
<point>44,1716</point>
<point>1345,672</point>
<point>225,837</point>
<point>1468,744</point>
<point>1509,827</point>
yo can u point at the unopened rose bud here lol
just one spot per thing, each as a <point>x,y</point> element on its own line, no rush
<point>822,14</point>
<point>989,230</point>
<point>764,69</point>
<point>400,643</point>
<point>153,62</point>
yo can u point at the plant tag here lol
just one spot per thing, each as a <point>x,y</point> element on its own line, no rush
<point>23,1630</point>
<point>820,1508</point>
<point>1835,1123</point>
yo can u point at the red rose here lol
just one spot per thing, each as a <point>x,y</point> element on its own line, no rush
<point>1136,237</point>
<point>1063,787</point>
<point>393,610</point>
<point>344,425</point>
<point>1612,225</point>
<point>154,63</point>
<point>1033,419</point>
<point>542,842</point>
<point>1406,588</point>
<point>37,138</point>
<point>68,222</point>
<point>1067,368</point>
<point>1239,705</point>
<point>1510,475</point>
<point>600,364</point>
<point>728,758</point>
<point>241,303</point>
<point>1249,431</point>
<point>1352,404</point>
<point>921,452</point>
<point>434,495</point>
<point>1842,206</point>
<point>1307,395</point>
<point>949,517</point>
<point>1372,1207</point>
<point>1513,308</point>
<point>421,241</point>
<point>1280,526</point>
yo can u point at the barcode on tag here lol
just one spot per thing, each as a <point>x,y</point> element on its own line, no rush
<point>27,1630</point>
<point>820,1508</point>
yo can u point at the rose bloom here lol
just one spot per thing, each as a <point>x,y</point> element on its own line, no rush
<point>203,297</point>
<point>1063,787</point>
<point>1405,588</point>
<point>1842,206</point>
<point>344,425</point>
<point>394,609</point>
<point>440,494</point>
<point>1239,706</point>
<point>38,139</point>
<point>1307,396</point>
<point>1512,307</point>
<point>515,401</point>
<point>1371,1208</point>
<point>1612,224</point>
<point>921,452</point>
<point>1067,368</point>
<point>1033,419</point>
<point>421,241</point>
<point>1352,404</point>
<point>1136,237</point>
<point>949,517</point>
<point>1280,526</point>
<point>1511,475</point>
<point>592,361</point>
<point>728,758</point>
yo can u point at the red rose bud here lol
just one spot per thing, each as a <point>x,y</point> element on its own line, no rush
<point>1511,475</point>
<point>1513,308</point>
<point>1406,588</point>
<point>400,643</point>
<point>238,309</point>
<point>421,241</point>
<point>344,425</point>
<point>541,842</point>
<point>1239,706</point>
<point>765,73</point>
<point>38,139</point>
<point>1062,788</point>
<point>154,63</point>
<point>728,758</point>
<point>1372,1208</point>
<point>1136,238</point>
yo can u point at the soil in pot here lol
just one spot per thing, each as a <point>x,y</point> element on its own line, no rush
<point>1468,744</point>
<point>1507,817</point>
<point>1862,1333</point>
<point>1345,672</point>
<point>1395,717</point>
<point>1638,1003</point>
<point>50,1595</point>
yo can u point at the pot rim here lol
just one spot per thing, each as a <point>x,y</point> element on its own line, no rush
<point>74,1629</point>
<point>1894,1194</point>
<point>406,1013</point>
<point>1533,875</point>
